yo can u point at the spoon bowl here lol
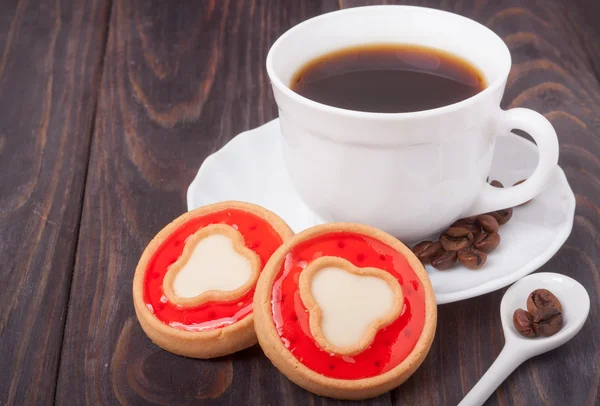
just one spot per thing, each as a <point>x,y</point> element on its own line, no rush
<point>575,308</point>
<point>575,303</point>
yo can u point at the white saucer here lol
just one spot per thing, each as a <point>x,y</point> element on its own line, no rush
<point>250,168</point>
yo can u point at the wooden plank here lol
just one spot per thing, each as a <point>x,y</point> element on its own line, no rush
<point>553,73</point>
<point>587,11</point>
<point>50,60</point>
<point>181,81</point>
<point>178,83</point>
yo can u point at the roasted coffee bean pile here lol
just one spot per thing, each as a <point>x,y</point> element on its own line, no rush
<point>543,316</point>
<point>467,241</point>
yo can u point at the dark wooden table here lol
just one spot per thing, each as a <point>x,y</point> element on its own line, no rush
<point>107,109</point>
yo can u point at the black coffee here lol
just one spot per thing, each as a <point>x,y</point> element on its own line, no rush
<point>388,79</point>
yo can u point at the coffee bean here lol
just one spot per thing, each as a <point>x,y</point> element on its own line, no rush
<point>547,321</point>
<point>421,247</point>
<point>474,229</point>
<point>456,238</point>
<point>431,251</point>
<point>444,261</point>
<point>523,322</point>
<point>469,223</point>
<point>472,258</point>
<point>488,223</point>
<point>540,299</point>
<point>544,315</point>
<point>502,216</point>
<point>487,242</point>
<point>496,183</point>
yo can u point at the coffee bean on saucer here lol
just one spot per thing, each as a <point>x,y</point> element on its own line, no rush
<point>420,248</point>
<point>502,216</point>
<point>547,321</point>
<point>496,183</point>
<point>541,298</point>
<point>444,261</point>
<point>487,242</point>
<point>471,258</point>
<point>469,223</point>
<point>429,252</point>
<point>456,238</point>
<point>488,223</point>
<point>523,322</point>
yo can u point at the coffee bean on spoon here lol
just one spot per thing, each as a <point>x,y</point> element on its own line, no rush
<point>540,299</point>
<point>445,260</point>
<point>496,183</point>
<point>471,258</point>
<point>543,316</point>
<point>488,223</point>
<point>487,242</point>
<point>456,238</point>
<point>523,322</point>
<point>547,321</point>
<point>502,216</point>
<point>429,251</point>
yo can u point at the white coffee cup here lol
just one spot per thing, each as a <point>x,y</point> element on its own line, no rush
<point>410,174</point>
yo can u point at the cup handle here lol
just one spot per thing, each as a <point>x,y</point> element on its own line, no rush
<point>544,135</point>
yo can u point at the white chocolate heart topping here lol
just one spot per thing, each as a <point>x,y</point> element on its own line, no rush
<point>348,305</point>
<point>215,265</point>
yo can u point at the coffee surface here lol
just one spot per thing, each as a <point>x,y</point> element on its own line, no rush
<point>388,79</point>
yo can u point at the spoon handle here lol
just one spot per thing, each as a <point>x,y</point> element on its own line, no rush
<point>505,364</point>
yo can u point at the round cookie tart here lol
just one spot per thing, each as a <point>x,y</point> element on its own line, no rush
<point>345,311</point>
<point>194,284</point>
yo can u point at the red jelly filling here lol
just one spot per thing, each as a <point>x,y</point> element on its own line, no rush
<point>260,237</point>
<point>391,345</point>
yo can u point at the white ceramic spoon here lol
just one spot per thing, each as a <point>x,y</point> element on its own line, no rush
<point>517,349</point>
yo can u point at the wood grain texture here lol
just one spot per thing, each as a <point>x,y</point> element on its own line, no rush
<point>50,59</point>
<point>179,81</point>
<point>588,10</point>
